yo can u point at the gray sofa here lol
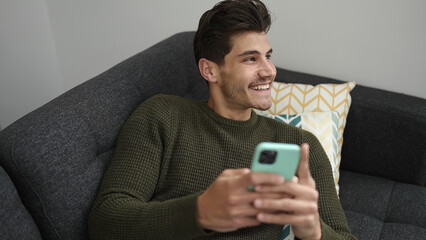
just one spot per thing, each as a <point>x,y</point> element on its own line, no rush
<point>52,160</point>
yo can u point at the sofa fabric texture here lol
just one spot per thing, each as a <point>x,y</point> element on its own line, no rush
<point>55,156</point>
<point>15,221</point>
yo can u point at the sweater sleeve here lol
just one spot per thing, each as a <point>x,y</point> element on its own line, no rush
<point>333,220</point>
<point>123,208</point>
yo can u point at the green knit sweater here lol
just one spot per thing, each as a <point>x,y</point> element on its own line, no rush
<point>170,150</point>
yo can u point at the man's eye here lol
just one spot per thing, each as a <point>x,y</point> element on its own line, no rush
<point>250,59</point>
<point>268,56</point>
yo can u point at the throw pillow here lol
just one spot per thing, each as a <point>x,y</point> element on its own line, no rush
<point>291,98</point>
<point>324,126</point>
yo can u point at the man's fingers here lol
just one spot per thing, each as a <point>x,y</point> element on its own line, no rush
<point>261,178</point>
<point>288,205</point>
<point>286,218</point>
<point>243,210</point>
<point>290,189</point>
<point>303,170</point>
<point>235,172</point>
<point>245,222</point>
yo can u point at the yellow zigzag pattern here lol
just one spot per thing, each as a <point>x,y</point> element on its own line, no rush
<point>324,126</point>
<point>297,98</point>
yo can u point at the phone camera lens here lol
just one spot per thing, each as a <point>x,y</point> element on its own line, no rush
<point>267,157</point>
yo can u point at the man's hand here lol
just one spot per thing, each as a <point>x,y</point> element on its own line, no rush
<point>301,211</point>
<point>227,204</point>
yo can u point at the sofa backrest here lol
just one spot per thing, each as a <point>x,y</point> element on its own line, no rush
<point>57,154</point>
<point>386,136</point>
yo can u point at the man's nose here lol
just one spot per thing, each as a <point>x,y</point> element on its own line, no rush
<point>267,69</point>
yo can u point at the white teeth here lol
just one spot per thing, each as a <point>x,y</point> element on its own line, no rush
<point>261,87</point>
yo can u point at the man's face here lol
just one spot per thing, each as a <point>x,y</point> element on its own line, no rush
<point>247,74</point>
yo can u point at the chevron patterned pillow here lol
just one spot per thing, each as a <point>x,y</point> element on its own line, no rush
<point>324,126</point>
<point>291,99</point>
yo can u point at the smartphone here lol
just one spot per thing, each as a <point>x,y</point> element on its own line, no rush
<point>280,158</point>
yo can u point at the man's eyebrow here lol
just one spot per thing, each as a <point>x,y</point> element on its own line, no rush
<point>250,52</point>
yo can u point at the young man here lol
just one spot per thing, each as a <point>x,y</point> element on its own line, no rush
<point>180,167</point>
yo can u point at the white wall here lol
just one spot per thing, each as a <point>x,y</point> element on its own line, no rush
<point>29,70</point>
<point>50,46</point>
<point>379,43</point>
<point>92,36</point>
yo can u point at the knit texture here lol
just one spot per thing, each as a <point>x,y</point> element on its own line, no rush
<point>170,150</point>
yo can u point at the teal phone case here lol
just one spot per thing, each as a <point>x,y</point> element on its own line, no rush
<point>286,159</point>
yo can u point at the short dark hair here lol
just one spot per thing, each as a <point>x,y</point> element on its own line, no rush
<point>226,19</point>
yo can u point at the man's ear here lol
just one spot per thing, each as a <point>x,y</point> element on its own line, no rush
<point>208,69</point>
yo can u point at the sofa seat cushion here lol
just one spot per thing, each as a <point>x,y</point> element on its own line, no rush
<point>379,208</point>
<point>13,213</point>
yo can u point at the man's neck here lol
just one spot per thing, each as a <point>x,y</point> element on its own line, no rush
<point>226,112</point>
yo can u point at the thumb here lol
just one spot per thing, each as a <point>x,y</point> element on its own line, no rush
<point>303,169</point>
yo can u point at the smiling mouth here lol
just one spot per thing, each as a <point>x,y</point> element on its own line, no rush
<point>260,87</point>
